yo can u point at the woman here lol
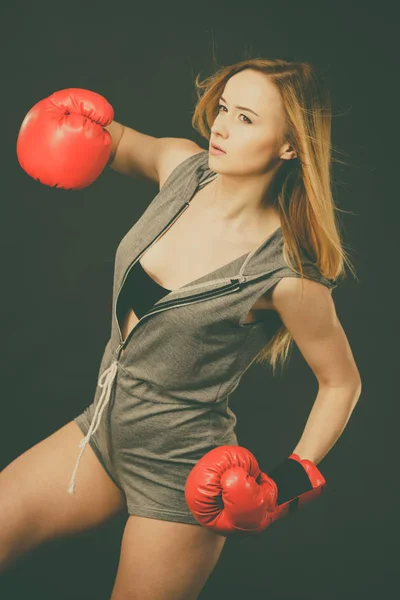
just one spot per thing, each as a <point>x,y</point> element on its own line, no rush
<point>233,259</point>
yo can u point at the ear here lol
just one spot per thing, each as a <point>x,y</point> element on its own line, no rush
<point>288,152</point>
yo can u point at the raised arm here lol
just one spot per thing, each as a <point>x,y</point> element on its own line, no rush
<point>144,156</point>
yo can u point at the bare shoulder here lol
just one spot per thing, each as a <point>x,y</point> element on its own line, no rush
<point>170,153</point>
<point>289,294</point>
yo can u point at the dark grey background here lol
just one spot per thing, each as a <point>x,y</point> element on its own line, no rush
<point>57,267</point>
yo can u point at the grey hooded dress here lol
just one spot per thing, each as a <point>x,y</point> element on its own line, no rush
<point>164,403</point>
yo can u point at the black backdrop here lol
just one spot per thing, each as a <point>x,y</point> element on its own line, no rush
<point>57,267</point>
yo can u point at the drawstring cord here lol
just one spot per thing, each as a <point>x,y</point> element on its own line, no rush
<point>105,381</point>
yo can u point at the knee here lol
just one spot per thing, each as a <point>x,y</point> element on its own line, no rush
<point>18,531</point>
<point>13,545</point>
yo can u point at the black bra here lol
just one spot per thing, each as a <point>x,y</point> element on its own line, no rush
<point>139,292</point>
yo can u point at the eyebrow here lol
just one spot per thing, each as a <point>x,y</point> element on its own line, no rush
<point>242,107</point>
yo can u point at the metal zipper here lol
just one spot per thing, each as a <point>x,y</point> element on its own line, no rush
<point>226,289</point>
<point>234,285</point>
<point>169,224</point>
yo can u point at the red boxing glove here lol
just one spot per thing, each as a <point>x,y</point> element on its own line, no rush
<point>62,142</point>
<point>226,491</point>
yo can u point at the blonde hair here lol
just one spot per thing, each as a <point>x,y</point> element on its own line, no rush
<point>304,198</point>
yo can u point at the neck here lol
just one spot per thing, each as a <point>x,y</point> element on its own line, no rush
<point>244,207</point>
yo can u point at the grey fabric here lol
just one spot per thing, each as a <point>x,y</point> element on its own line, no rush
<point>168,395</point>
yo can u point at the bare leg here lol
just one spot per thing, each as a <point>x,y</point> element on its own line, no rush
<point>34,503</point>
<point>162,560</point>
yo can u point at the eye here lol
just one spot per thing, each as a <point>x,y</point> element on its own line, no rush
<point>241,114</point>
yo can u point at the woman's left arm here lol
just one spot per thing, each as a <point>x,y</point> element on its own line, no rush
<point>312,320</point>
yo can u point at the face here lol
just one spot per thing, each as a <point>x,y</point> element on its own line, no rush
<point>254,143</point>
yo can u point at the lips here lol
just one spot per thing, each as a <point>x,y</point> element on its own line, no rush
<point>218,147</point>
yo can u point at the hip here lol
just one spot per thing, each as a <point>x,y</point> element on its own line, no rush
<point>167,426</point>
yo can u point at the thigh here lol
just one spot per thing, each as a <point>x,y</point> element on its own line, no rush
<point>35,505</point>
<point>163,560</point>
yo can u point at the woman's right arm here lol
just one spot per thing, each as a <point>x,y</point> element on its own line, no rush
<point>144,156</point>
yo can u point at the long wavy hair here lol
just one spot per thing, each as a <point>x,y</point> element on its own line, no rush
<point>304,196</point>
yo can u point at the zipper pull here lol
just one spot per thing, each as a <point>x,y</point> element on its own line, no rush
<point>239,280</point>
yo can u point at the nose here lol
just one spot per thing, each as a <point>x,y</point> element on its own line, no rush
<point>218,131</point>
